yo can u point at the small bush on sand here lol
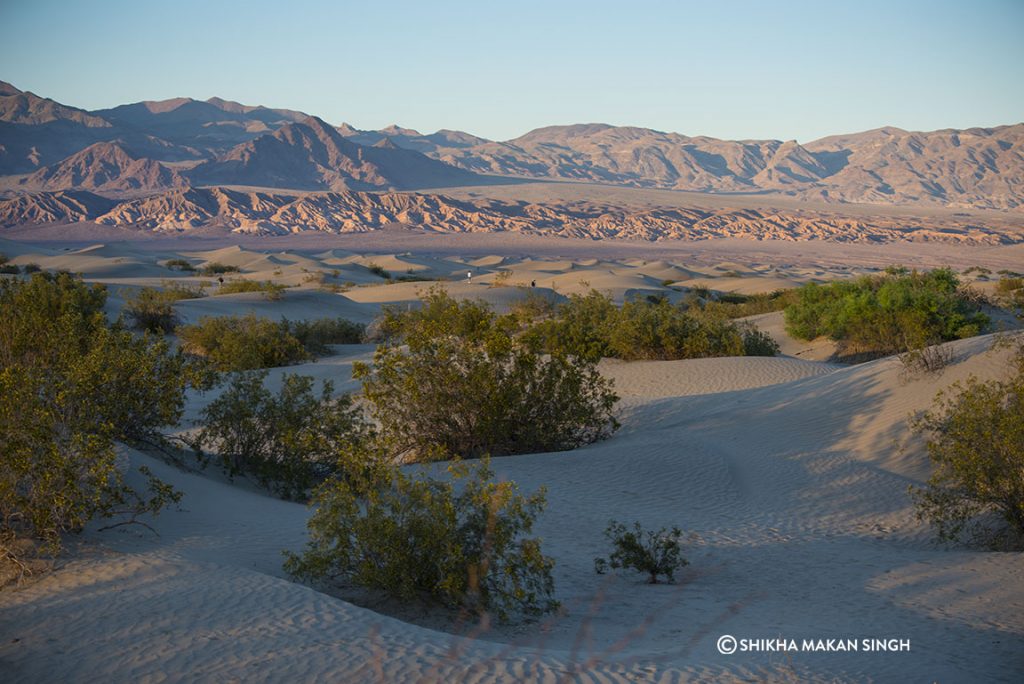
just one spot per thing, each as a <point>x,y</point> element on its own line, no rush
<point>580,327</point>
<point>152,310</point>
<point>886,314</point>
<point>317,334</point>
<point>9,269</point>
<point>31,268</point>
<point>179,265</point>
<point>652,328</point>
<point>289,441</point>
<point>738,306</point>
<point>462,542</point>
<point>461,385</point>
<point>1010,293</point>
<point>925,360</point>
<point>71,384</point>
<point>378,270</point>
<point>217,268</point>
<point>975,434</point>
<point>757,342</point>
<point>654,553</point>
<point>271,291</point>
<point>249,342</point>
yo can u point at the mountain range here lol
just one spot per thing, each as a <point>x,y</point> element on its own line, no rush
<point>183,210</point>
<point>147,148</point>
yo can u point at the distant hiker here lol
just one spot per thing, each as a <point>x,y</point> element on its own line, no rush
<point>469,277</point>
<point>220,279</point>
<point>533,283</point>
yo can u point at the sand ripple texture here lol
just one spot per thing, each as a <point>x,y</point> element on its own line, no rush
<point>788,477</point>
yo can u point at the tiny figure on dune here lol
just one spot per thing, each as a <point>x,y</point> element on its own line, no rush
<point>533,283</point>
<point>469,277</point>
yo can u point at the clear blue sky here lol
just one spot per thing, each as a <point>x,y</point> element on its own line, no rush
<point>726,68</point>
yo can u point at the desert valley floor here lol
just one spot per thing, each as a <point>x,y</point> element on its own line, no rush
<point>788,474</point>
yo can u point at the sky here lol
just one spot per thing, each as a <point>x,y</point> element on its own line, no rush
<point>727,68</point>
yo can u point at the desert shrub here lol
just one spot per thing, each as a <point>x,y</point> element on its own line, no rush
<point>289,441</point>
<point>655,553</point>
<point>886,314</point>
<point>590,326</point>
<point>31,268</point>
<point>660,330</point>
<point>9,269</point>
<point>179,265</point>
<point>975,441</point>
<point>271,291</point>
<point>151,310</point>
<point>738,306</point>
<point>217,268</point>
<point>441,315</point>
<point>501,278</point>
<point>454,382</point>
<point>176,290</point>
<point>1010,292</point>
<point>1007,286</point>
<point>758,343</point>
<point>315,335</point>
<point>462,542</point>
<point>925,360</point>
<point>71,385</point>
<point>378,270</point>
<point>233,343</point>
<point>533,307</point>
<point>581,327</point>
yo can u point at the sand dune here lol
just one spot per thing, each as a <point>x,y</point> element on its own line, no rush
<point>789,475</point>
<point>803,506</point>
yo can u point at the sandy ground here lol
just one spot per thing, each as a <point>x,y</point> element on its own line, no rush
<point>788,475</point>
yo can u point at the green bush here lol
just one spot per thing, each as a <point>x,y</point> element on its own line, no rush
<point>758,343</point>
<point>70,386</point>
<point>217,268</point>
<point>887,314</point>
<point>179,265</point>
<point>10,269</point>
<point>461,542</point>
<point>590,327</point>
<point>31,268</point>
<point>316,335</point>
<point>1010,292</point>
<point>655,553</point>
<point>271,291</point>
<point>532,308</point>
<point>151,310</point>
<point>975,442</point>
<point>580,327</point>
<point>461,386</point>
<point>378,271</point>
<point>660,330</point>
<point>249,342</point>
<point>289,441</point>
<point>739,306</point>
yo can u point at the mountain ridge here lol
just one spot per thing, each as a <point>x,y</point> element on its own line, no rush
<point>183,210</point>
<point>229,143</point>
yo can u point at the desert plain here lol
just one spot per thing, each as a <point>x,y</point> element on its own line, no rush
<point>788,475</point>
